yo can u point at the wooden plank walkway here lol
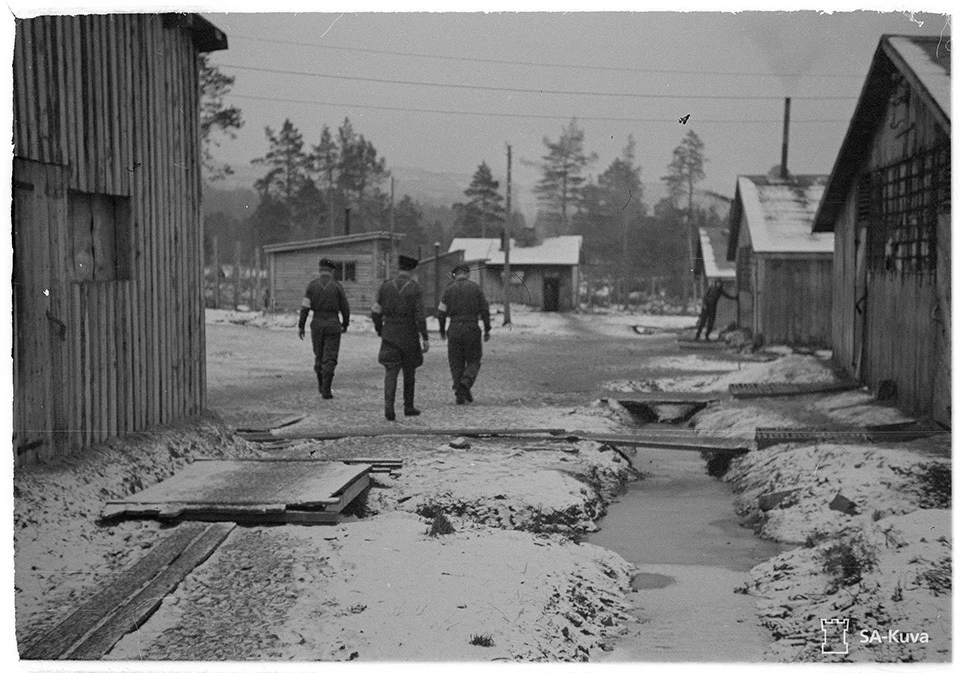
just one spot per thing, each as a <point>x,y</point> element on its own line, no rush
<point>681,440</point>
<point>677,397</point>
<point>327,435</point>
<point>767,437</point>
<point>751,390</point>
<point>94,628</point>
<point>255,490</point>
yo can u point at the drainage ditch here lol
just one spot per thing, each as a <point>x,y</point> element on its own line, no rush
<point>678,527</point>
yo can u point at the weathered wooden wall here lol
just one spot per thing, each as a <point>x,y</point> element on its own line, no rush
<point>107,104</point>
<point>905,337</point>
<point>530,291</point>
<point>434,274</point>
<point>292,270</point>
<point>792,299</point>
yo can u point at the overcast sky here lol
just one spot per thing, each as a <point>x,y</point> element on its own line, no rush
<point>444,91</point>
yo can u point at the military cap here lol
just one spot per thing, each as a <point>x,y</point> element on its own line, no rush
<point>327,264</point>
<point>461,267</point>
<point>407,263</point>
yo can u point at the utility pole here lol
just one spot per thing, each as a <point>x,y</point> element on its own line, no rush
<point>393,245</point>
<point>506,248</point>
<point>216,275</point>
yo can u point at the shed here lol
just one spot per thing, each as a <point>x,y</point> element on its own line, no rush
<point>887,201</point>
<point>107,235</point>
<point>364,262</point>
<point>546,276</point>
<point>784,271</point>
<point>712,264</point>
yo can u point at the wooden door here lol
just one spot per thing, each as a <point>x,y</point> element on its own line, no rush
<point>41,414</point>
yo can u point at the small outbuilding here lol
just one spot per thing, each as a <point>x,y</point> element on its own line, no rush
<point>545,276</point>
<point>887,202</point>
<point>363,261</point>
<point>711,265</point>
<point>784,271</point>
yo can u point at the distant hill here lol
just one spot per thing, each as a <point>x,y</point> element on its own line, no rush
<point>237,202</point>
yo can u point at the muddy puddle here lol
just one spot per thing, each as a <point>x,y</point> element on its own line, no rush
<point>678,527</point>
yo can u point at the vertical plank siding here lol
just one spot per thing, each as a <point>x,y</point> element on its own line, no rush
<point>105,104</point>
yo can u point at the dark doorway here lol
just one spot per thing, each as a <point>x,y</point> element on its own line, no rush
<point>551,294</point>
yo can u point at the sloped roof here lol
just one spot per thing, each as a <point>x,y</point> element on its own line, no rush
<point>331,240</point>
<point>713,250</point>
<point>779,214</point>
<point>556,251</point>
<point>924,62</point>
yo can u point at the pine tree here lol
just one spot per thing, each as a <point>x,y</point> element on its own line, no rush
<point>288,166</point>
<point>561,185</point>
<point>684,171</point>
<point>485,203</point>
<point>215,115</point>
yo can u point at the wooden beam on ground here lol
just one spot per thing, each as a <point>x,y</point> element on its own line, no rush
<point>678,397</point>
<point>701,345</point>
<point>751,390</point>
<point>326,435</point>
<point>767,437</point>
<point>91,630</point>
<point>274,424</point>
<point>663,440</point>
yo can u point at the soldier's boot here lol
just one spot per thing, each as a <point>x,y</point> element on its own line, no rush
<point>409,389</point>
<point>320,382</point>
<point>390,394</point>
<point>325,391</point>
<point>465,384</point>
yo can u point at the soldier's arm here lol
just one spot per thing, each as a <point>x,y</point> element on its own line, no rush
<point>344,307</point>
<point>442,314</point>
<point>420,314</point>
<point>376,312</point>
<point>304,312</point>
<point>484,311</point>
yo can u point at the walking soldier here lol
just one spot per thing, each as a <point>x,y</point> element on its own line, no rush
<point>400,320</point>
<point>326,298</point>
<point>463,303</point>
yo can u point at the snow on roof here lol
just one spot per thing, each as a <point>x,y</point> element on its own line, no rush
<point>559,250</point>
<point>920,55</point>
<point>713,243</point>
<point>780,213</point>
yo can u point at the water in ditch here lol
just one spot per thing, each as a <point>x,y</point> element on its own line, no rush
<point>678,527</point>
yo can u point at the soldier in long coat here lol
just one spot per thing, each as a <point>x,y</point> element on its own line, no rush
<point>400,320</point>
<point>464,304</point>
<point>326,298</point>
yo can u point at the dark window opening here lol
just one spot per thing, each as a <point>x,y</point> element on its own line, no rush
<point>906,200</point>
<point>345,271</point>
<point>100,241</point>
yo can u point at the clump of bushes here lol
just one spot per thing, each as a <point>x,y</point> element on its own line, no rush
<point>848,560</point>
<point>440,526</point>
<point>484,640</point>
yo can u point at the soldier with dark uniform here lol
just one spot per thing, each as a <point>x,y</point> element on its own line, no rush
<point>326,298</point>
<point>464,304</point>
<point>708,314</point>
<point>400,320</point>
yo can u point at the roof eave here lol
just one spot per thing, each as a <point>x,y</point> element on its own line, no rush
<point>206,36</point>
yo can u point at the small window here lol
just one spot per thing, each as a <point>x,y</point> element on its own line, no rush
<point>100,236</point>
<point>345,271</point>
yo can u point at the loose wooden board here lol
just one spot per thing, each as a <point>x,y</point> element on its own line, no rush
<point>281,491</point>
<point>681,441</point>
<point>679,397</point>
<point>767,437</point>
<point>90,631</point>
<point>325,435</point>
<point>750,390</point>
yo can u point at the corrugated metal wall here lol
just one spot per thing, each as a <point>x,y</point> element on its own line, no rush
<point>108,105</point>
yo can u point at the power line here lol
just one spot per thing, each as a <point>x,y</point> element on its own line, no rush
<point>498,61</point>
<point>533,116</point>
<point>477,87</point>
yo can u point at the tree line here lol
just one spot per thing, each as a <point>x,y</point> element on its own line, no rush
<point>318,189</point>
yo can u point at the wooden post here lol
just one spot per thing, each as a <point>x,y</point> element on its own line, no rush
<point>506,248</point>
<point>436,275</point>
<point>236,277</point>
<point>256,280</point>
<point>216,275</point>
